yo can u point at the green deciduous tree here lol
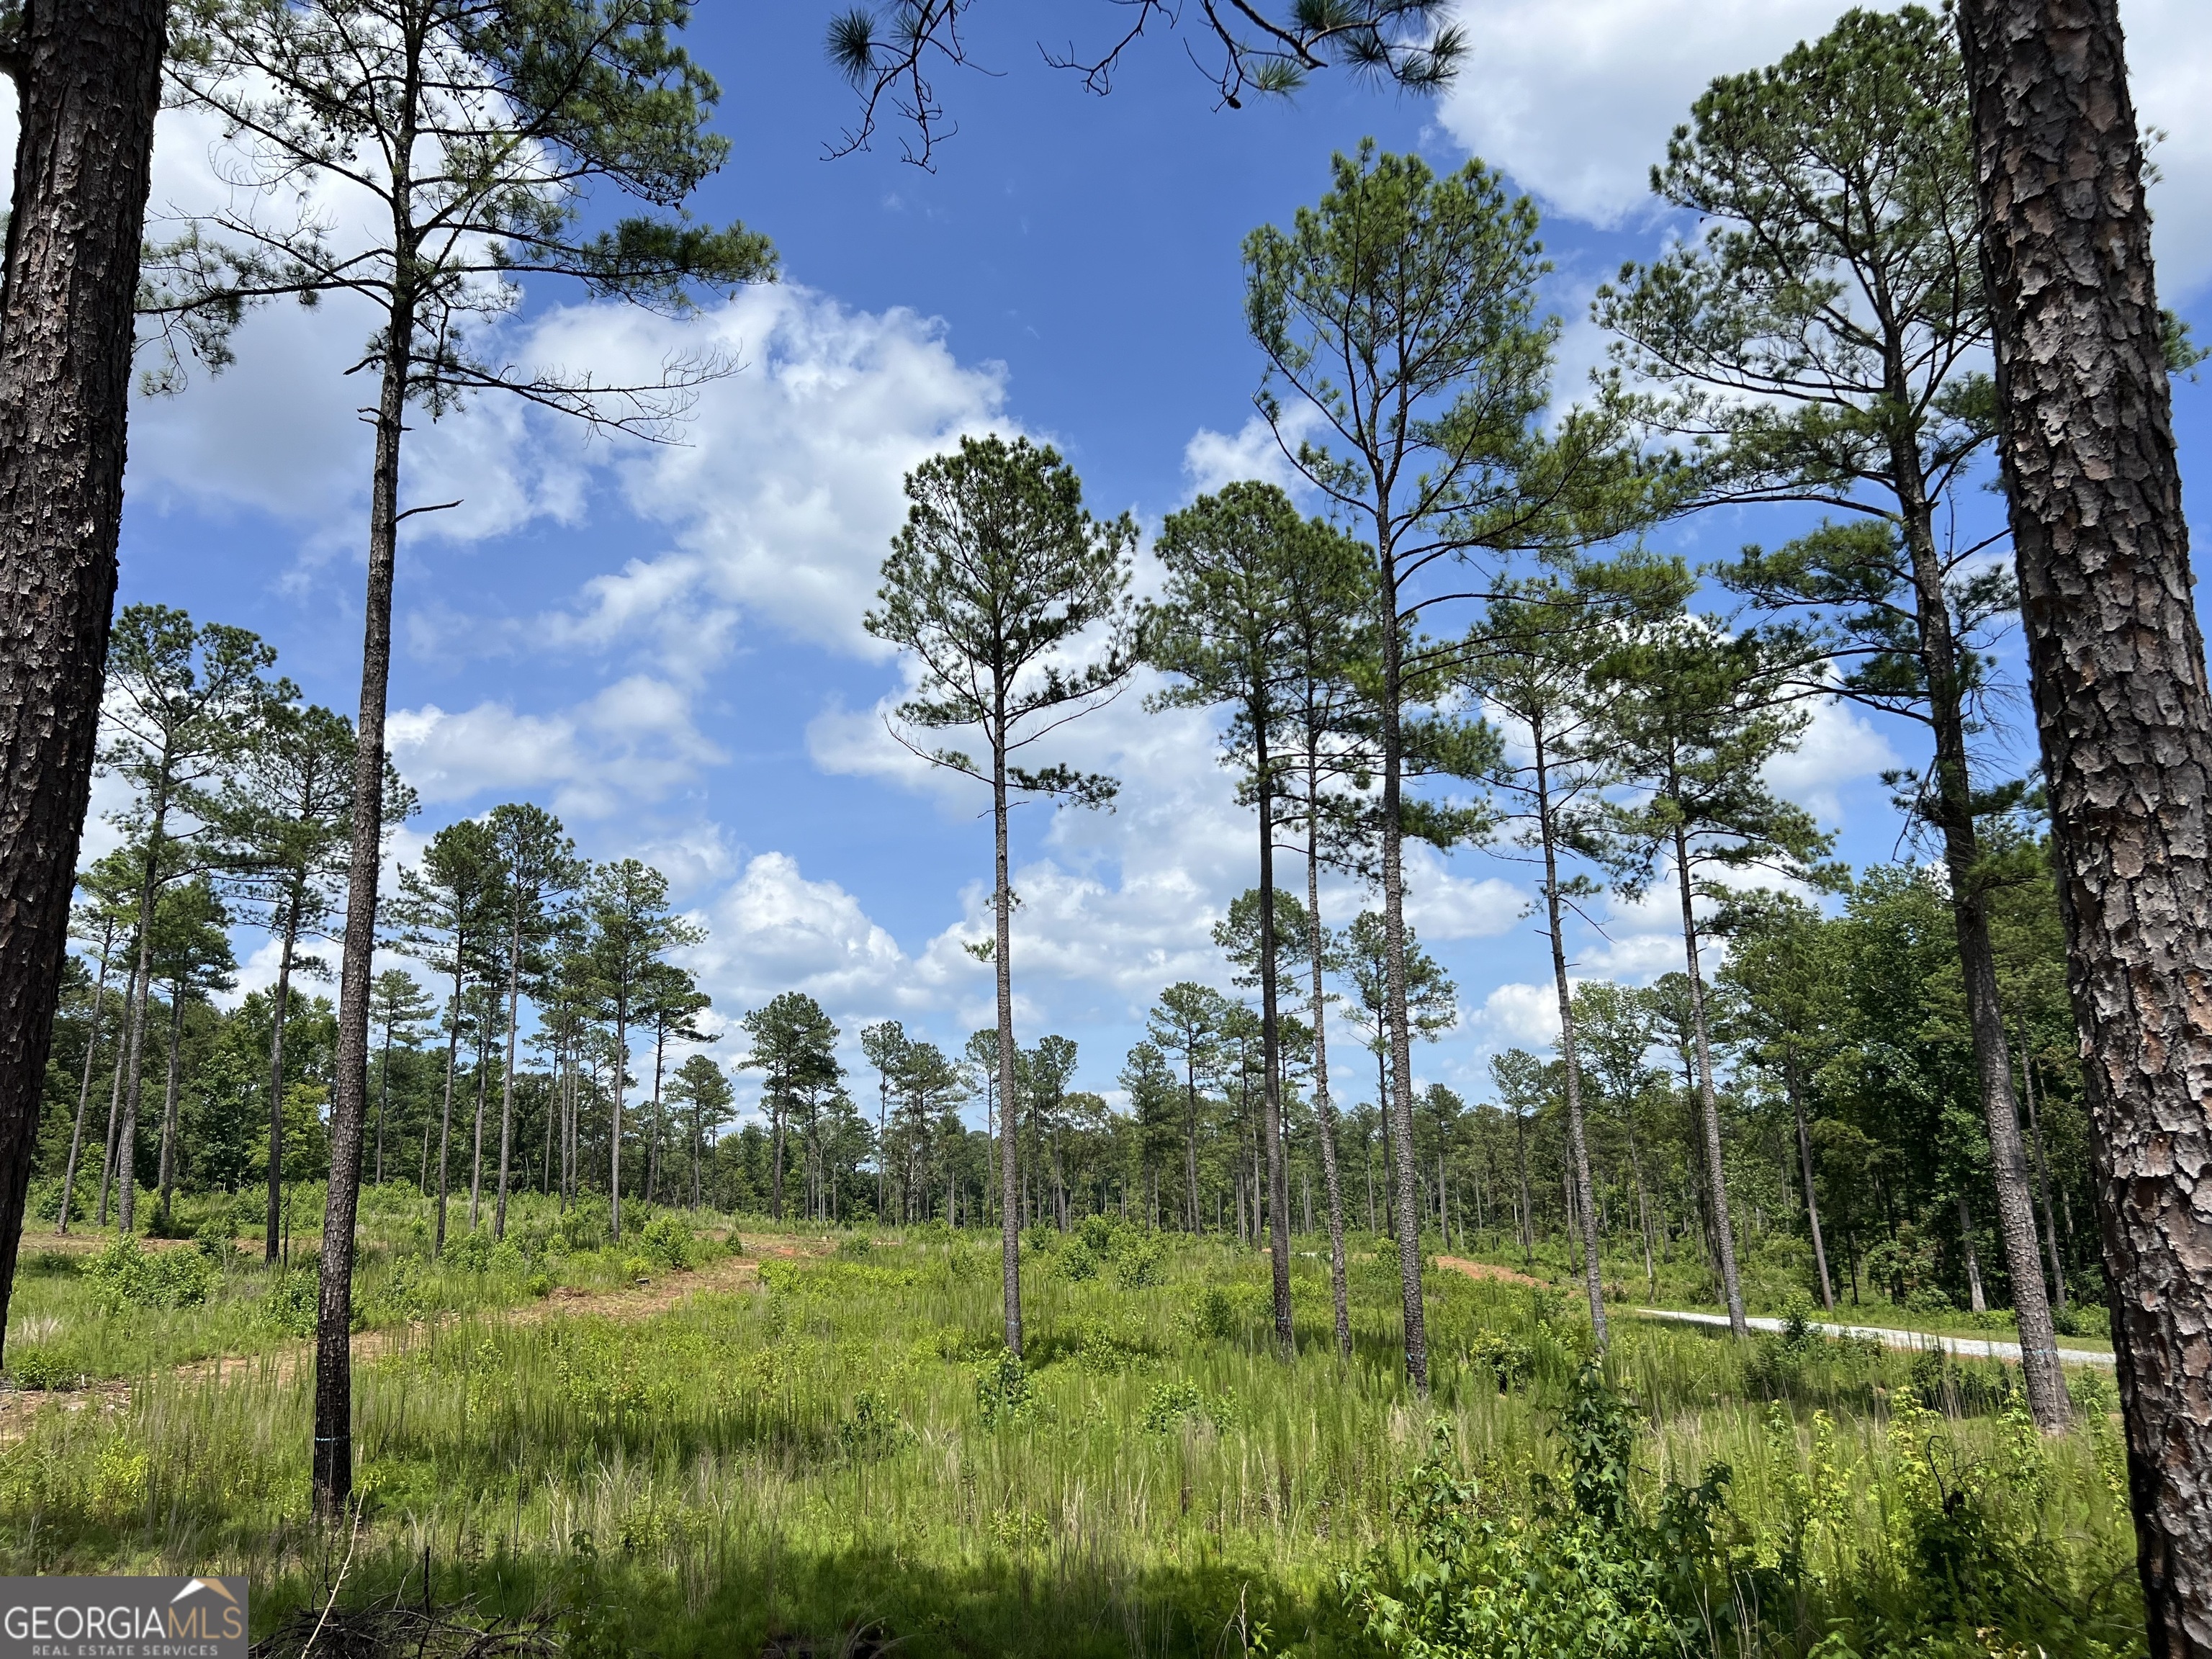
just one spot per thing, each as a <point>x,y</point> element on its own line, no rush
<point>1013,601</point>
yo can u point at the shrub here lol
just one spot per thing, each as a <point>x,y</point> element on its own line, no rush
<point>1041,1240</point>
<point>124,1274</point>
<point>1174,1404</point>
<point>1003,1392</point>
<point>291,1304</point>
<point>1139,1262</point>
<point>855,1247</point>
<point>1103,1348</point>
<point>470,1252</point>
<point>1078,1262</point>
<point>42,1369</point>
<point>508,1258</point>
<point>1213,1317</point>
<point>585,1226</point>
<point>872,1428</point>
<point>1504,1355</point>
<point>667,1239</point>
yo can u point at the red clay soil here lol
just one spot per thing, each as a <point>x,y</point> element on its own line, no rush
<point>1459,1264</point>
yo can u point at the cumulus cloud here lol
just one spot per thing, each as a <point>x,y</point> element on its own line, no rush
<point>1576,100</point>
<point>634,740</point>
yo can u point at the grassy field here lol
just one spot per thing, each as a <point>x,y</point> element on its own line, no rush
<point>820,1445</point>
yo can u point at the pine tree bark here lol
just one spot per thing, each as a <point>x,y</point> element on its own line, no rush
<point>88,82</point>
<point>1009,1224</point>
<point>331,1476</point>
<point>2117,665</point>
<point>1398,1038</point>
<point>1271,1061</point>
<point>1324,1105</point>
<point>2042,1171</point>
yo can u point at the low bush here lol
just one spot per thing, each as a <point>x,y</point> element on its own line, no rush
<point>125,1275</point>
<point>668,1242</point>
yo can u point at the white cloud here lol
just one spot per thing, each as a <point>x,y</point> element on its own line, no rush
<point>1576,100</point>
<point>1840,745</point>
<point>1520,1016</point>
<point>1213,459</point>
<point>633,741</point>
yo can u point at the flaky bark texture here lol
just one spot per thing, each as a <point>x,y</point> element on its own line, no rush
<point>2122,709</point>
<point>88,80</point>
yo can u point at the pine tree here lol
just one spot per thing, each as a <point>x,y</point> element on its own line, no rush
<point>996,579</point>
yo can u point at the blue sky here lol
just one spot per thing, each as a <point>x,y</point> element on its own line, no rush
<point>663,646</point>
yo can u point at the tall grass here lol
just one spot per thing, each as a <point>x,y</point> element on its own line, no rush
<point>846,1444</point>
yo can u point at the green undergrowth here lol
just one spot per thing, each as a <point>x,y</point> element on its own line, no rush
<point>848,1447</point>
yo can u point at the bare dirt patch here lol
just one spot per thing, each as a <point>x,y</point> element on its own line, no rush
<point>1459,1264</point>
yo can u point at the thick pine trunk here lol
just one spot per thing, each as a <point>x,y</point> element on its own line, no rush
<point>1709,1112</point>
<point>1010,1225</point>
<point>1578,1145</point>
<point>332,1476</point>
<point>88,82</point>
<point>2117,665</point>
<point>1324,1105</point>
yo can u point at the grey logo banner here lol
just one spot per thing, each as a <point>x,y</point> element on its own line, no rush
<point>60,1618</point>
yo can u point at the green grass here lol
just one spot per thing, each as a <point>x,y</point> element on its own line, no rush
<point>845,1446</point>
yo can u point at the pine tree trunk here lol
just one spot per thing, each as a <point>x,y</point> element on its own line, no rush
<point>1577,1146</point>
<point>84,1090</point>
<point>476,1160</point>
<point>507,1078</point>
<point>333,1447</point>
<point>615,1123</point>
<point>1812,1202</point>
<point>114,1108</point>
<point>1399,1036</point>
<point>1010,1233</point>
<point>1708,1104</point>
<point>1324,1104</point>
<point>1976,1301</point>
<point>88,82</point>
<point>1270,1057</point>
<point>445,1113</point>
<point>126,1139</point>
<point>2117,665</point>
<point>169,1099</point>
<point>279,1009</point>
<point>2042,1171</point>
